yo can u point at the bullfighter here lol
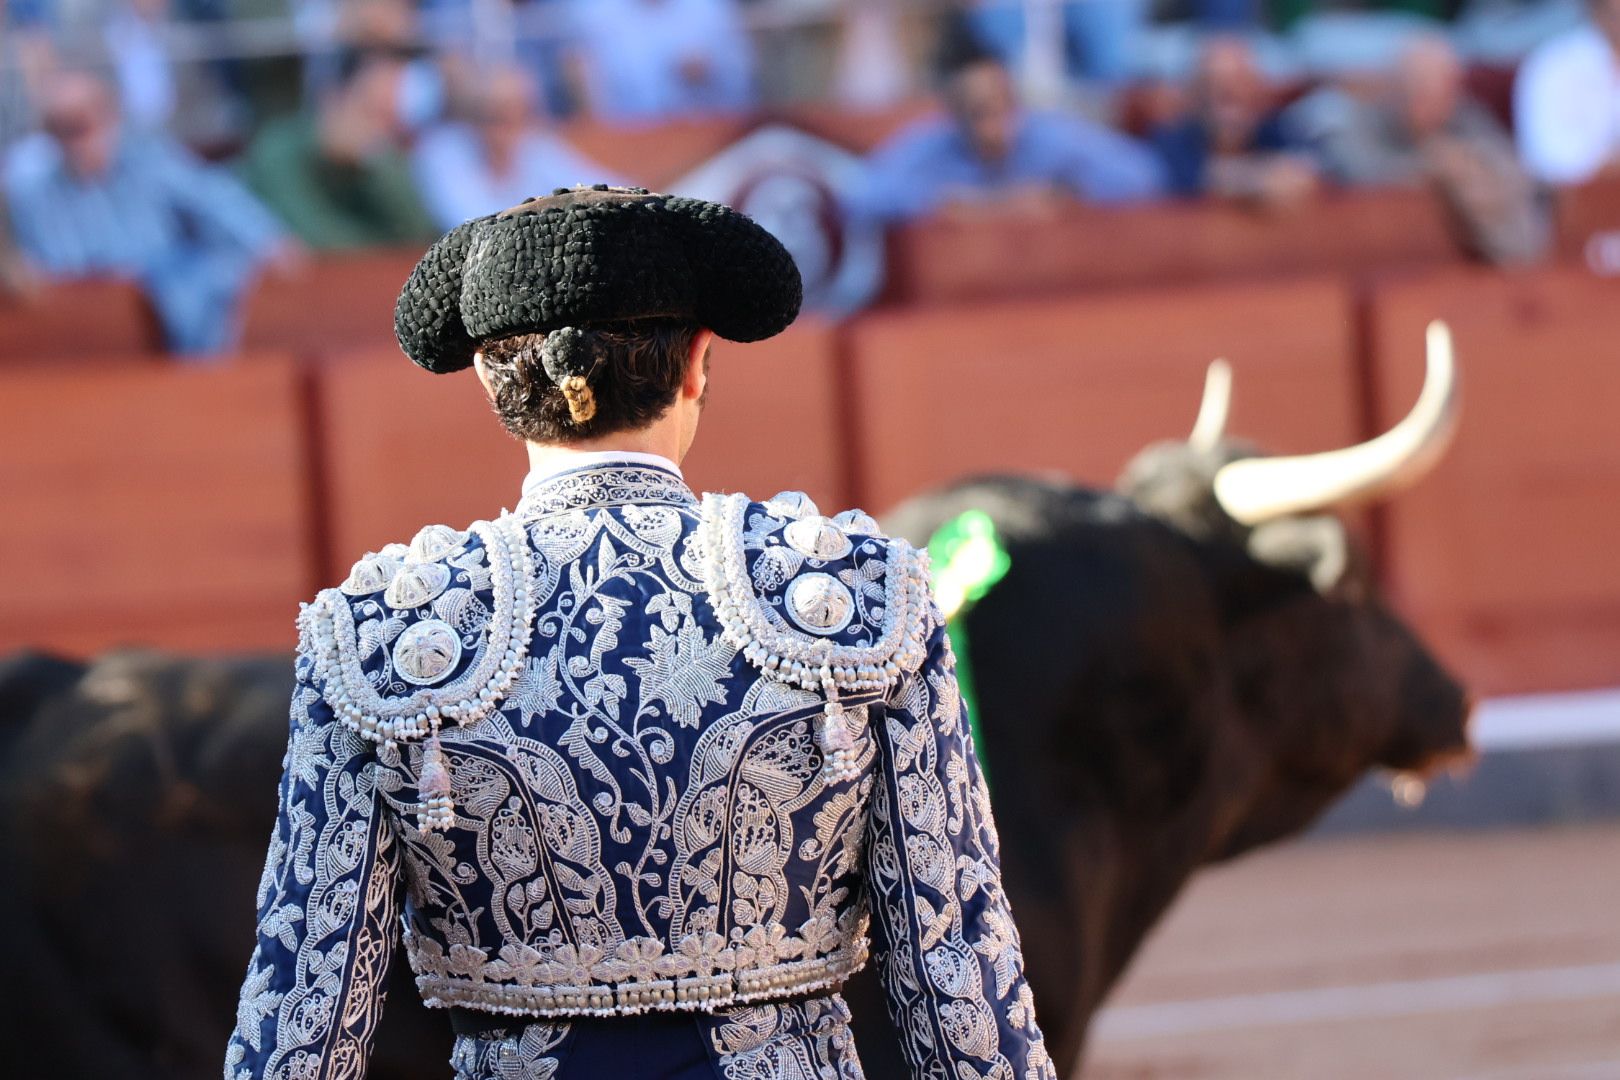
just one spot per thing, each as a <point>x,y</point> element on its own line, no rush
<point>633,774</point>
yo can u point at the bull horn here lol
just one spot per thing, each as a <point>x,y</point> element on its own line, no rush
<point>1214,409</point>
<point>1257,490</point>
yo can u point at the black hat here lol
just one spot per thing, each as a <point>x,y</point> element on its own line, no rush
<point>585,256</point>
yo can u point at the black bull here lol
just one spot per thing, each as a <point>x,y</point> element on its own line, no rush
<point>1151,699</point>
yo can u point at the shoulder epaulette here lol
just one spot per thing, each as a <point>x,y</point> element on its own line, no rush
<point>419,635</point>
<point>826,604</point>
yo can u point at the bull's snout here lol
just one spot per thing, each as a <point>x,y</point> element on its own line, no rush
<point>1432,733</point>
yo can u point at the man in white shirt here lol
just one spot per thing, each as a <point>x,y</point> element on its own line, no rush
<point>641,61</point>
<point>497,157</point>
<point>1566,102</point>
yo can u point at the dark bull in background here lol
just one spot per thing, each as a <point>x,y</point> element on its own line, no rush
<point>1168,675</point>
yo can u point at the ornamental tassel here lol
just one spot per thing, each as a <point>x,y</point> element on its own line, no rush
<point>838,762</point>
<point>438,809</point>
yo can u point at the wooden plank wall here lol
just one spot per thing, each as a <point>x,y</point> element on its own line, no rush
<point>154,504</point>
<point>1507,554</point>
<point>193,506</point>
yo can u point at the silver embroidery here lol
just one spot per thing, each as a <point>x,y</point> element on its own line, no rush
<point>528,1053</point>
<point>818,538</point>
<point>640,822</point>
<point>416,584</point>
<point>859,521</point>
<point>371,574</point>
<point>801,1040</point>
<point>820,603</point>
<point>435,542</point>
<point>790,504</point>
<point>426,652</point>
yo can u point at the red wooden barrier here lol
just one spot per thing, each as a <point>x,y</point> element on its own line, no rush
<point>776,419</point>
<point>1094,248</point>
<point>402,448</point>
<point>336,301</point>
<point>154,504</point>
<point>1080,385</point>
<point>1589,226</point>
<point>1507,555</point>
<point>78,319</point>
<point>659,155</point>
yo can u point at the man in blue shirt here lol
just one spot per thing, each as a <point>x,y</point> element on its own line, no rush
<point>989,148</point>
<point>90,200</point>
<point>1231,144</point>
<point>641,61</point>
<point>497,156</point>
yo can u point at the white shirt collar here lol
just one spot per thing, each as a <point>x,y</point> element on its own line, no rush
<point>570,460</point>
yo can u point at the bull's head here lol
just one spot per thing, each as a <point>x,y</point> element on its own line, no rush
<point>1328,678</point>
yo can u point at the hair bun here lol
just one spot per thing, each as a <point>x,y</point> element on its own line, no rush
<point>569,350</point>
<point>570,356</point>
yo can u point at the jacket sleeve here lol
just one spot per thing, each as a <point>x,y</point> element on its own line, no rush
<point>947,949</point>
<point>328,904</point>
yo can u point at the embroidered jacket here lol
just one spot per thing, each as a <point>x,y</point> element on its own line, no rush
<point>621,750</point>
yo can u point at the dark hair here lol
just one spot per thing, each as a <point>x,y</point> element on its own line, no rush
<point>961,47</point>
<point>638,370</point>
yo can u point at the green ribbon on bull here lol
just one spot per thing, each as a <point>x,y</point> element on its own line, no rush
<point>968,558</point>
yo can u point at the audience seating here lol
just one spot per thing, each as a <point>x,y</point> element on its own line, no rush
<point>335,301</point>
<point>158,504</point>
<point>779,415</point>
<point>323,442</point>
<point>401,448</point>
<point>78,319</point>
<point>950,260</point>
<point>659,155</point>
<point>1589,225</point>
<point>1079,385</point>
<point>653,155</point>
<point>1506,555</point>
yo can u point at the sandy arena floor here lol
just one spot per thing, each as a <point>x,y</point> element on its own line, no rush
<point>1491,956</point>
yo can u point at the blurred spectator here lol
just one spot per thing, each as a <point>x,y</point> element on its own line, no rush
<point>89,199</point>
<point>16,276</point>
<point>134,38</point>
<point>1100,37</point>
<point>27,55</point>
<point>647,60</point>
<point>391,30</point>
<point>991,151</point>
<point>499,157</point>
<point>1427,130</point>
<point>340,178</point>
<point>1233,144</point>
<point>873,69</point>
<point>1566,101</point>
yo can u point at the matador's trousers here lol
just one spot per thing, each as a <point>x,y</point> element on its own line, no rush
<point>806,1039</point>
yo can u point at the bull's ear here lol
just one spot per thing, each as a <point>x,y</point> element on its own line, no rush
<point>1317,548</point>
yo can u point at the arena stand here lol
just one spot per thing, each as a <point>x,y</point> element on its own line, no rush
<point>153,504</point>
<point>1506,554</point>
<point>271,471</point>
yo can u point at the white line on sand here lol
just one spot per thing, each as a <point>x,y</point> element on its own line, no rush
<point>1372,1000</point>
<point>1588,1070</point>
<point>1533,720</point>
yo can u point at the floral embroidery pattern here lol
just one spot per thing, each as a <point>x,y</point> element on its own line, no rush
<point>641,814</point>
<point>800,1040</point>
<point>532,1052</point>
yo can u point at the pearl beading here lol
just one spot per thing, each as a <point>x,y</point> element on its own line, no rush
<point>808,662</point>
<point>692,993</point>
<point>329,633</point>
<point>799,659</point>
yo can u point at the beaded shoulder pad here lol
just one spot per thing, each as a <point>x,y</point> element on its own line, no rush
<point>421,634</point>
<point>825,604</point>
